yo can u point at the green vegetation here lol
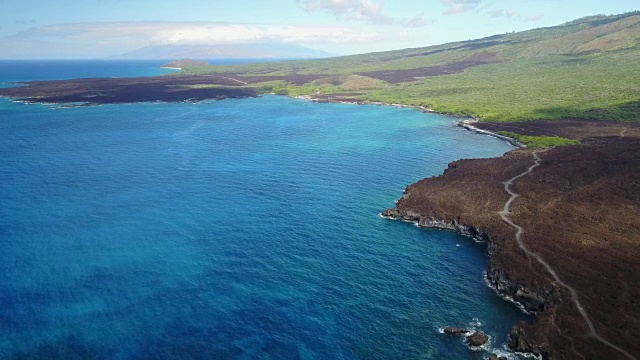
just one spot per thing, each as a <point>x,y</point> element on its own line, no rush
<point>587,68</point>
<point>284,88</point>
<point>351,82</point>
<point>553,87</point>
<point>325,85</point>
<point>539,142</point>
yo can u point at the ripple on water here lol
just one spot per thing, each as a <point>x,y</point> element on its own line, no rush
<point>232,229</point>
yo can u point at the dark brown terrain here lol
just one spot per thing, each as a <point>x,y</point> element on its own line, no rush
<point>145,89</point>
<point>201,87</point>
<point>408,75</point>
<point>569,128</point>
<point>580,212</point>
<point>129,90</point>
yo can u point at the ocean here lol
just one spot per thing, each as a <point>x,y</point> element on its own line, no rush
<point>234,229</point>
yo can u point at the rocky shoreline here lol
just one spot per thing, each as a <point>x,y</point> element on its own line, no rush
<point>470,125</point>
<point>596,177</point>
<point>529,301</point>
<point>349,99</point>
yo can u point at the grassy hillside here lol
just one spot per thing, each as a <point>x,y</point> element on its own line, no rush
<point>588,68</point>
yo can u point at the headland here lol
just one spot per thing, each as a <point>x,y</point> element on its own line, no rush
<point>94,91</point>
<point>578,208</point>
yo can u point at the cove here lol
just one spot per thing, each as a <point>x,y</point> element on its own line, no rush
<point>243,229</point>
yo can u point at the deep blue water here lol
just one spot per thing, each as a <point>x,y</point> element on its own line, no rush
<point>237,229</point>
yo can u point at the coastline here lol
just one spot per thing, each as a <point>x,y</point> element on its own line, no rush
<point>466,199</point>
<point>337,100</point>
<point>496,278</point>
<point>524,299</point>
<point>533,291</point>
<point>475,256</point>
<point>527,301</point>
<point>468,123</point>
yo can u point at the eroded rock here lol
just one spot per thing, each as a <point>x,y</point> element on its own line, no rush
<point>521,341</point>
<point>478,338</point>
<point>496,357</point>
<point>454,330</point>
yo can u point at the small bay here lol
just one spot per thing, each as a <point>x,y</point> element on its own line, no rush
<point>231,229</point>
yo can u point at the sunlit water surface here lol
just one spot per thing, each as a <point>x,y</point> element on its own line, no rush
<point>231,229</point>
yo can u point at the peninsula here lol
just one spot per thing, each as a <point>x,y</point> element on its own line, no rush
<point>561,217</point>
<point>128,90</point>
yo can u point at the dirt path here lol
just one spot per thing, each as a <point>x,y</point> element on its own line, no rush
<point>623,131</point>
<point>241,82</point>
<point>504,214</point>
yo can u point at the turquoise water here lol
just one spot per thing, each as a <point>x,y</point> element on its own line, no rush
<point>237,229</point>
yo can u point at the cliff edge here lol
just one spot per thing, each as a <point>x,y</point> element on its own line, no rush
<point>579,211</point>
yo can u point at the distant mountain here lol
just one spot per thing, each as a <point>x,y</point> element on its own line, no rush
<point>225,51</point>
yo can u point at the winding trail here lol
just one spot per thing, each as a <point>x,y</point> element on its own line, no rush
<point>504,214</point>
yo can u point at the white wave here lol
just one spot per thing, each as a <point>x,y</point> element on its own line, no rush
<point>503,296</point>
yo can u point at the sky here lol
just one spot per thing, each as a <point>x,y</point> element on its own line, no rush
<point>101,28</point>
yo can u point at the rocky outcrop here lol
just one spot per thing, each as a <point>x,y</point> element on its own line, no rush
<point>435,223</point>
<point>477,339</point>
<point>471,126</point>
<point>532,302</point>
<point>454,330</point>
<point>521,341</point>
<point>529,300</point>
<point>496,357</point>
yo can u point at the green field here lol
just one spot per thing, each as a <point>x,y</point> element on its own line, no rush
<point>539,142</point>
<point>588,68</point>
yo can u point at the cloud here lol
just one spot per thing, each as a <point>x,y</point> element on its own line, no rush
<point>416,21</point>
<point>509,14</point>
<point>513,15</point>
<point>94,40</point>
<point>202,33</point>
<point>534,17</point>
<point>361,10</point>
<point>356,8</point>
<point>25,22</point>
<point>453,7</point>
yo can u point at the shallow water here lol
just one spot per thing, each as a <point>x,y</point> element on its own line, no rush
<point>232,229</point>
